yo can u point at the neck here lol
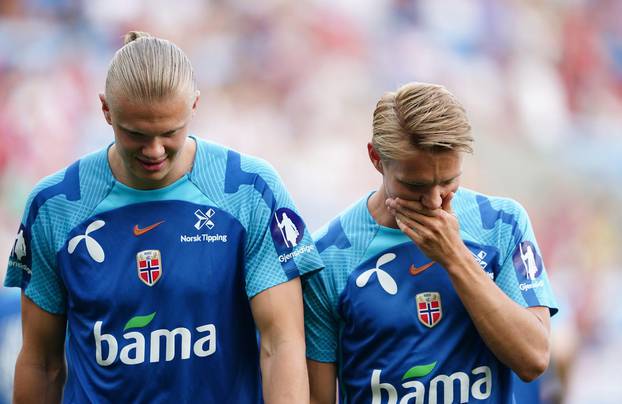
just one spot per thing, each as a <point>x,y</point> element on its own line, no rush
<point>190,150</point>
<point>378,209</point>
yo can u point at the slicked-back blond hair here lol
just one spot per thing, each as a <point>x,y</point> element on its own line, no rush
<point>149,69</point>
<point>422,116</point>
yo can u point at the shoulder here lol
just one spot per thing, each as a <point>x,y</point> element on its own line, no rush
<point>223,168</point>
<point>346,236</point>
<point>342,243</point>
<point>64,199</point>
<point>244,169</point>
<point>489,209</point>
<point>246,187</point>
<point>492,220</point>
<point>77,187</point>
<point>232,160</point>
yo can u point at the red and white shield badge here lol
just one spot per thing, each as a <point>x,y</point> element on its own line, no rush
<point>429,309</point>
<point>149,265</point>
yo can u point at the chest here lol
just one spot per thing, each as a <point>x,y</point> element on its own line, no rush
<point>174,251</point>
<point>400,291</point>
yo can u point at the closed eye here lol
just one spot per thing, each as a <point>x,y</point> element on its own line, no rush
<point>415,185</point>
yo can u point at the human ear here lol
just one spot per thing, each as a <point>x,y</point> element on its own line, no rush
<point>374,157</point>
<point>105,108</point>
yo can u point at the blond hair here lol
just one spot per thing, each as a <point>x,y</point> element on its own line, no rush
<point>420,115</point>
<point>148,69</point>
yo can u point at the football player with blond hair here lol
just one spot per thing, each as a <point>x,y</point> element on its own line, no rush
<point>152,264</point>
<point>426,296</point>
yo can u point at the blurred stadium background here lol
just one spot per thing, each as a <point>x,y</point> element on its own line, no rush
<point>295,82</point>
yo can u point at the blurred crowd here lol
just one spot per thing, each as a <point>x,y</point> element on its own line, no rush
<point>296,82</point>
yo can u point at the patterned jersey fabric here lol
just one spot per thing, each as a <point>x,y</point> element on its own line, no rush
<point>156,284</point>
<point>390,318</point>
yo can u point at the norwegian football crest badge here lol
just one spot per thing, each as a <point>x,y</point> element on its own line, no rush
<point>149,266</point>
<point>429,309</point>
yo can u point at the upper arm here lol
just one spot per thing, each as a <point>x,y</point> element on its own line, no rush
<point>33,265</point>
<point>278,312</point>
<point>40,368</point>
<point>278,246</point>
<point>43,334</point>
<point>522,273</point>
<point>322,382</point>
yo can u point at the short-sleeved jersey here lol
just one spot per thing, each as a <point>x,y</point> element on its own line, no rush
<point>390,318</point>
<point>156,284</point>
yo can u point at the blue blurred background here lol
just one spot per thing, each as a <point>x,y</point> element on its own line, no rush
<point>296,82</point>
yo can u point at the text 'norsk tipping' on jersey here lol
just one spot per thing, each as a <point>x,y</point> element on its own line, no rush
<point>156,284</point>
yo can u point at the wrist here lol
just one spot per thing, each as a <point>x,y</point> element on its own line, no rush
<point>462,261</point>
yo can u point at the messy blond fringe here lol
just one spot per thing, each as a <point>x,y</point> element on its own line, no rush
<point>421,116</point>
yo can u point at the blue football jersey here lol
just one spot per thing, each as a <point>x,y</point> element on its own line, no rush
<point>390,318</point>
<point>156,284</point>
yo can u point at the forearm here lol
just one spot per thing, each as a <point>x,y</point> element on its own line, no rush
<point>516,336</point>
<point>284,373</point>
<point>38,382</point>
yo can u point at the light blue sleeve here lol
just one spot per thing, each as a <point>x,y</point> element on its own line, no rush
<point>522,274</point>
<point>321,321</point>
<point>32,263</point>
<point>278,246</point>
<point>341,243</point>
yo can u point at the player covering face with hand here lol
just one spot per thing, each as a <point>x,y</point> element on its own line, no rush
<point>428,294</point>
<point>155,261</point>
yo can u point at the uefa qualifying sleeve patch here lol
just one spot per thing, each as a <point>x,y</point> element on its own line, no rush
<point>287,228</point>
<point>526,260</point>
<point>20,249</point>
<point>20,254</point>
<point>528,265</point>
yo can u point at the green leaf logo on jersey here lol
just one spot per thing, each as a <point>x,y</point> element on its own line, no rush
<point>139,321</point>
<point>419,371</point>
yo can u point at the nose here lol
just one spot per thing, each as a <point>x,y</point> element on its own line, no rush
<point>432,198</point>
<point>153,149</point>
